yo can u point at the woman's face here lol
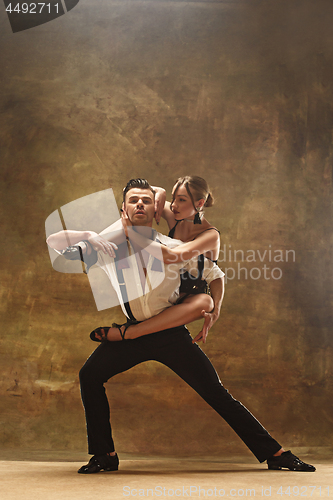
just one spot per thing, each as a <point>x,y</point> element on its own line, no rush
<point>182,205</point>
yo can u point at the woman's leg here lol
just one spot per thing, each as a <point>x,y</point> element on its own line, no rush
<point>191,309</point>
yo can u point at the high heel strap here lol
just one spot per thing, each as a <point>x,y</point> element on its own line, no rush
<point>126,325</point>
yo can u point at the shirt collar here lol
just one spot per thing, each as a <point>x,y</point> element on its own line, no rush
<point>122,254</point>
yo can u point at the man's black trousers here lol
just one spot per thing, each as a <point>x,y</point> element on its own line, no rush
<point>174,349</point>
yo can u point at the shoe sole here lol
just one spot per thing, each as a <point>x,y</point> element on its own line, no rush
<point>85,470</point>
<point>276,467</point>
<point>97,471</point>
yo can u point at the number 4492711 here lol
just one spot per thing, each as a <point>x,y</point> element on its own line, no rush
<point>303,491</point>
<point>32,8</point>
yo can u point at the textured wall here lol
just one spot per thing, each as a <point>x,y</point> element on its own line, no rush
<point>237,92</point>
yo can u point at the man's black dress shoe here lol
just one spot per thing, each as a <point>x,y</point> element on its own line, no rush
<point>289,461</point>
<point>100,462</point>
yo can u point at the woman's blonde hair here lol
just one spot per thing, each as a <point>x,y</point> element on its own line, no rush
<point>197,189</point>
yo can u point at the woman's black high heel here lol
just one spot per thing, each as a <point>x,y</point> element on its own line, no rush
<point>101,332</point>
<point>102,329</point>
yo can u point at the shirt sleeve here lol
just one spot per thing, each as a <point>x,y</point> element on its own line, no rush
<point>211,271</point>
<point>77,252</point>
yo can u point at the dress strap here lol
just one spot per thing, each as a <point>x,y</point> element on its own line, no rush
<point>172,230</point>
<point>209,228</point>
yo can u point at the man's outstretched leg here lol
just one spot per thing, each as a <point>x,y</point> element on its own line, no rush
<point>192,365</point>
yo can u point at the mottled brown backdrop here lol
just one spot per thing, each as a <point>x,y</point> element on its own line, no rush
<point>239,92</point>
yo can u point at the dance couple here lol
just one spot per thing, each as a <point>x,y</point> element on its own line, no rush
<point>161,283</point>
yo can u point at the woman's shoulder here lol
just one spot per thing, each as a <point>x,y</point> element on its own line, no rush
<point>211,227</point>
<point>204,228</point>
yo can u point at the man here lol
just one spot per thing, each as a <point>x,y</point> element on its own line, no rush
<point>173,348</point>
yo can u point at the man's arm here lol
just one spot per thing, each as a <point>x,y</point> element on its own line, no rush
<point>63,239</point>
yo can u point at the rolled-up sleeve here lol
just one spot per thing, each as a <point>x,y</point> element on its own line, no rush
<point>211,271</point>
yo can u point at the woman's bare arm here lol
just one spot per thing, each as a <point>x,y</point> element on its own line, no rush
<point>162,207</point>
<point>168,215</point>
<point>203,243</point>
<point>217,294</point>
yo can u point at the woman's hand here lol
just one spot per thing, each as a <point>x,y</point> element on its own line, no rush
<point>160,198</point>
<point>210,319</point>
<point>101,244</point>
<point>126,223</point>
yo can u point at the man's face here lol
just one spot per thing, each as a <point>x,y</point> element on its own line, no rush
<point>140,206</point>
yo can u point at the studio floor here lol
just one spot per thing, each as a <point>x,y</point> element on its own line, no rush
<point>161,478</point>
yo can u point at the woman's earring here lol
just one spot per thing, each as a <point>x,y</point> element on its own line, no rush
<point>197,219</point>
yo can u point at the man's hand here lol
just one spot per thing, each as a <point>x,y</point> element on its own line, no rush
<point>210,319</point>
<point>101,244</point>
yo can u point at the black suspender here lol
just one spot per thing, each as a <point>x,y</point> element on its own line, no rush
<point>201,265</point>
<point>121,281</point>
<point>123,291</point>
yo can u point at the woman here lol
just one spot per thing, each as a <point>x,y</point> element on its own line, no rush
<point>184,216</point>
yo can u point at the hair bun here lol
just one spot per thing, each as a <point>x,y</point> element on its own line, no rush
<point>210,201</point>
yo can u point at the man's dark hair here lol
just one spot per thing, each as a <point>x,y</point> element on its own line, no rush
<point>137,183</point>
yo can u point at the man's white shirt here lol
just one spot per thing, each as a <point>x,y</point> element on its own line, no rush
<point>160,288</point>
